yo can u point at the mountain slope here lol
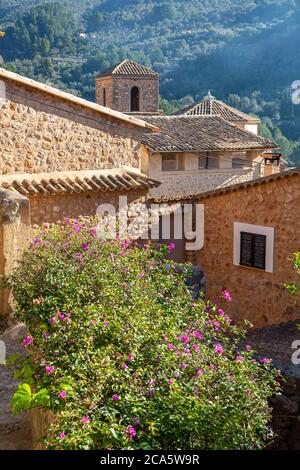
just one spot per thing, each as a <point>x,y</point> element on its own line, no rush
<point>245,51</point>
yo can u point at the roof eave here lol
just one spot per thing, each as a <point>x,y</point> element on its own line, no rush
<point>75,99</point>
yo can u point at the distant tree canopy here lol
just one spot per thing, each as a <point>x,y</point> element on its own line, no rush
<point>245,52</point>
<point>42,29</point>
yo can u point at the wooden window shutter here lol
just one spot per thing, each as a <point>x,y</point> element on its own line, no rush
<point>253,250</point>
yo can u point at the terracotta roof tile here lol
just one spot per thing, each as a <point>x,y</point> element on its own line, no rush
<point>47,184</point>
<point>129,68</point>
<point>200,134</point>
<point>213,107</point>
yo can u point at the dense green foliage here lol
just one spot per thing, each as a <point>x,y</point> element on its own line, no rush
<point>241,48</point>
<point>122,355</point>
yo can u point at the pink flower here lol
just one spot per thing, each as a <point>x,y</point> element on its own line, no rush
<point>265,360</point>
<point>49,369</point>
<point>151,383</point>
<point>239,358</point>
<point>84,246</point>
<point>184,338</point>
<point>200,372</point>
<point>131,356</point>
<point>37,240</point>
<point>218,348</point>
<point>77,255</point>
<point>227,296</point>
<point>195,347</point>
<point>170,382</point>
<point>171,346</point>
<point>62,394</point>
<point>62,435</point>
<point>151,391</point>
<point>85,420</point>
<point>183,366</point>
<point>60,315</point>
<point>136,420</point>
<point>140,275</point>
<point>171,246</point>
<point>217,325</point>
<point>46,335</point>
<point>197,335</point>
<point>116,397</point>
<point>106,323</point>
<point>28,340</point>
<point>130,432</point>
<point>52,320</point>
<point>248,347</point>
<point>124,365</point>
<point>221,312</point>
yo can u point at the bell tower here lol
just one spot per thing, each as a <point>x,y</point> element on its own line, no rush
<point>129,87</point>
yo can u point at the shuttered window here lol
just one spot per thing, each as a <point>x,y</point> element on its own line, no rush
<point>253,250</point>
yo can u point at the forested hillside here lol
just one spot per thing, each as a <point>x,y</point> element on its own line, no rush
<point>244,51</point>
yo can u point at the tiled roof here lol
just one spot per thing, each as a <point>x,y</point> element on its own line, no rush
<point>200,134</point>
<point>213,107</point>
<point>103,110</point>
<point>240,186</point>
<point>47,184</point>
<point>128,68</point>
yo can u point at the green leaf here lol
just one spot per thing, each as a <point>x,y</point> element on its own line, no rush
<point>41,398</point>
<point>21,400</point>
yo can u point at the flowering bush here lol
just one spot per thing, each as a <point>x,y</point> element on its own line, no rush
<point>295,288</point>
<point>124,358</point>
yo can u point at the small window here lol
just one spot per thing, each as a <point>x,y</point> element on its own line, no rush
<point>208,163</point>
<point>135,99</point>
<point>171,163</point>
<point>253,250</point>
<point>253,246</point>
<point>104,97</point>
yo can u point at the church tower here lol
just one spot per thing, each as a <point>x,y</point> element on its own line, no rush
<point>129,87</point>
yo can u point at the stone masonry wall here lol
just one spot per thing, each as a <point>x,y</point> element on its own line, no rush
<point>107,84</point>
<point>118,93</point>
<point>14,231</point>
<point>257,296</point>
<point>52,209</point>
<point>41,133</point>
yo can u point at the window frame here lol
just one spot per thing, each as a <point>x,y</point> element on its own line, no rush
<point>179,163</point>
<point>207,159</point>
<point>269,232</point>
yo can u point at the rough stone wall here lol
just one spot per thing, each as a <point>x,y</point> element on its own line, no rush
<point>257,296</point>
<point>120,89</point>
<point>107,84</point>
<point>14,230</point>
<point>40,133</point>
<point>52,209</point>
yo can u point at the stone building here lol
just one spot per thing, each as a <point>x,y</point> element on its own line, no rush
<point>251,231</point>
<point>180,155</point>
<point>193,154</point>
<point>129,87</point>
<point>43,129</point>
<point>60,156</point>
